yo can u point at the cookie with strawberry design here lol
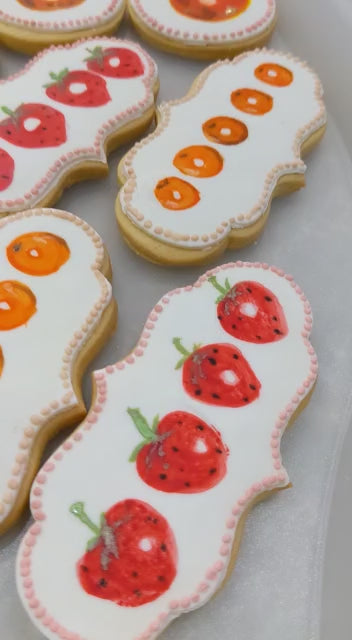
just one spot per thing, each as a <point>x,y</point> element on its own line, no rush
<point>30,25</point>
<point>62,115</point>
<point>139,514</point>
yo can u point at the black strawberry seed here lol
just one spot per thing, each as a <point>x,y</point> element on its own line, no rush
<point>155,521</point>
<point>234,326</point>
<point>252,386</point>
<point>6,178</point>
<point>187,484</point>
<point>163,476</point>
<point>198,392</point>
<point>212,361</point>
<point>268,299</point>
<point>137,593</point>
<point>134,574</point>
<point>258,337</point>
<point>212,470</point>
<point>275,318</point>
<point>215,350</point>
<point>8,132</point>
<point>277,331</point>
<point>103,583</point>
<point>245,399</point>
<point>219,318</point>
<point>235,356</point>
<point>84,568</point>
<point>161,578</point>
<point>218,450</point>
<point>200,427</point>
<point>163,547</point>
<point>216,396</point>
<point>175,449</point>
<point>212,125</point>
<point>249,290</point>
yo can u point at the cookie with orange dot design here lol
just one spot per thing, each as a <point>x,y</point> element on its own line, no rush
<point>204,29</point>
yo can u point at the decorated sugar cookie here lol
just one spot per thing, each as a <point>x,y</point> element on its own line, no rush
<point>56,311</point>
<point>205,29</point>
<point>205,179</point>
<point>31,25</point>
<point>138,513</point>
<point>62,115</point>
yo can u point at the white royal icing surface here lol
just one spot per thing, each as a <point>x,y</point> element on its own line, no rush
<point>36,353</point>
<point>259,15</point>
<point>96,470</point>
<point>84,16</point>
<point>241,192</point>
<point>38,170</point>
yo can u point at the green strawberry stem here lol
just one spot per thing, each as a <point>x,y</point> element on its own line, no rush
<point>147,432</point>
<point>78,510</point>
<point>8,112</point>
<point>222,290</point>
<point>95,54</point>
<point>57,77</point>
<point>186,354</point>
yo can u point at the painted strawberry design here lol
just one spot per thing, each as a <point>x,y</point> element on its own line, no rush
<point>132,558</point>
<point>217,374</point>
<point>180,453</point>
<point>249,311</point>
<point>7,168</point>
<point>33,125</point>
<point>78,88</point>
<point>115,62</point>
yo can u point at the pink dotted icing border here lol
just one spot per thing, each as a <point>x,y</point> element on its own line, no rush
<point>215,574</point>
<point>244,219</point>
<point>202,38</point>
<point>106,15</point>
<point>80,155</point>
<point>68,399</point>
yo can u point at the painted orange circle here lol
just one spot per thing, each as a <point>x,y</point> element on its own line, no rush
<point>225,130</point>
<point>176,194</point>
<point>17,304</point>
<point>210,10</point>
<point>199,161</point>
<point>1,361</point>
<point>38,253</point>
<point>50,5</point>
<point>252,101</point>
<point>274,74</point>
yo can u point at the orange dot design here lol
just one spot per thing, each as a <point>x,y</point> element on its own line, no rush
<point>274,74</point>
<point>38,253</point>
<point>176,194</point>
<point>17,304</point>
<point>225,130</point>
<point>210,11</point>
<point>257,103</point>
<point>50,5</point>
<point>199,161</point>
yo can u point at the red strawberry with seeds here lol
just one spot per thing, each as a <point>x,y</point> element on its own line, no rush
<point>33,125</point>
<point>115,62</point>
<point>78,88</point>
<point>217,374</point>
<point>179,454</point>
<point>132,558</point>
<point>7,168</point>
<point>249,311</point>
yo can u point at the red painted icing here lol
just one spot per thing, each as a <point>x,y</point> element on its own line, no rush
<point>33,125</point>
<point>78,88</point>
<point>7,168</point>
<point>251,312</point>
<point>179,454</point>
<point>115,62</point>
<point>218,374</point>
<point>133,558</point>
<point>210,10</point>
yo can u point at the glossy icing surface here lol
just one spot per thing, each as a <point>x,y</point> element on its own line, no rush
<point>72,98</point>
<point>43,324</point>
<point>198,23</point>
<point>56,15</point>
<point>95,466</point>
<point>256,111</point>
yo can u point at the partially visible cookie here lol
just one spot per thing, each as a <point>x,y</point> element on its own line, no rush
<point>30,25</point>
<point>204,180</point>
<point>56,312</point>
<point>204,29</point>
<point>65,111</point>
